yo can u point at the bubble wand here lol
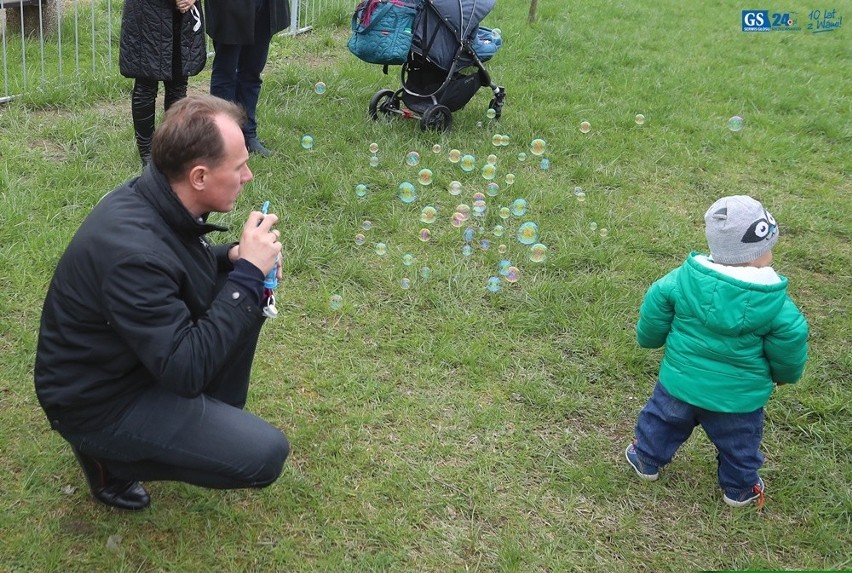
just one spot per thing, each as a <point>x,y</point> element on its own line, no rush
<point>270,281</point>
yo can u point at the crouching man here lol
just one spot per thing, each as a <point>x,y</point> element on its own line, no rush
<point>148,331</point>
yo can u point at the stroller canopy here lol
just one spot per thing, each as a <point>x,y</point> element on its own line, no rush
<point>442,25</point>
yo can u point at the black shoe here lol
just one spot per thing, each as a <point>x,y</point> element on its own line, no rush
<point>111,491</point>
<point>255,146</point>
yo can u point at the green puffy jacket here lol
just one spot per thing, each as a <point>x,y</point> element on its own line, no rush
<point>726,340</point>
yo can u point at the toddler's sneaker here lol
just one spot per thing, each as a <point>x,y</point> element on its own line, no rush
<point>645,471</point>
<point>742,498</point>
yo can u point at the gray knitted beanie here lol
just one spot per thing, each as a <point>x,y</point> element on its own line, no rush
<point>739,230</point>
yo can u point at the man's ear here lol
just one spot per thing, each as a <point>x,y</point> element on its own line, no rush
<point>198,177</point>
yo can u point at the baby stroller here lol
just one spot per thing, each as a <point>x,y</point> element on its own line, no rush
<point>446,40</point>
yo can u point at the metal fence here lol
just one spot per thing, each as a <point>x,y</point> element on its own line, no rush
<point>45,44</point>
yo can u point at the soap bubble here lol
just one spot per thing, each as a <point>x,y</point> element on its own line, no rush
<point>319,88</point>
<point>478,196</point>
<point>408,259</point>
<point>455,155</point>
<point>113,543</point>
<point>367,225</point>
<point>501,249</point>
<point>504,140</point>
<point>468,163</point>
<point>489,171</point>
<point>427,215</point>
<point>537,147</point>
<point>492,189</point>
<point>335,302</point>
<point>640,119</point>
<point>538,253</point>
<point>374,148</point>
<point>457,220</point>
<point>360,190</point>
<point>491,159</point>
<point>425,235</point>
<point>478,124</point>
<point>519,207</point>
<point>503,267</point>
<point>604,232</point>
<point>544,164</point>
<point>467,250</point>
<point>581,196</point>
<point>494,285</point>
<point>381,249</point>
<point>407,192</point>
<point>593,226</point>
<point>585,127</point>
<point>527,233</point>
<point>513,274</point>
<point>504,212</point>
<point>484,244</point>
<point>436,148</point>
<point>510,178</point>
<point>479,208</point>
<point>464,210</point>
<point>498,230</point>
<point>307,142</point>
<point>424,177</point>
<point>522,156</point>
<point>405,283</point>
<point>496,32</point>
<point>455,187</point>
<point>374,161</point>
<point>736,123</point>
<point>412,158</point>
<point>496,139</point>
<point>491,113</point>
<point>578,190</point>
<point>425,273</point>
<point>468,234</point>
<point>360,239</point>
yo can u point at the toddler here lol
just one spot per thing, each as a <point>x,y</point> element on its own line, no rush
<point>730,331</point>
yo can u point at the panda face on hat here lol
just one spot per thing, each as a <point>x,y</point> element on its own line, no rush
<point>739,230</point>
<point>761,230</point>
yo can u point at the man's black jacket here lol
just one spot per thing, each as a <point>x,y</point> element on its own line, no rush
<point>133,303</point>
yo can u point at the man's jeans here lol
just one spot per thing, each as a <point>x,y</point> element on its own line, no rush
<point>235,75</point>
<point>209,441</point>
<point>666,422</point>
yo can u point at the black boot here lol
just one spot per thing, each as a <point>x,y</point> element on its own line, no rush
<point>109,490</point>
<point>143,103</point>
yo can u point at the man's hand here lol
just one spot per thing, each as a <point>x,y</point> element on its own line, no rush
<point>259,242</point>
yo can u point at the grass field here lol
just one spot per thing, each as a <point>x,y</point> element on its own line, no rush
<point>444,427</point>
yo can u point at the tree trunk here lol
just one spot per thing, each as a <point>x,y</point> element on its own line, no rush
<point>533,10</point>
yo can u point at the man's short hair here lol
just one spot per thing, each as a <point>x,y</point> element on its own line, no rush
<point>189,135</point>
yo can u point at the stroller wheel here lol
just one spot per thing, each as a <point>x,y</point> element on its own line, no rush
<point>497,106</point>
<point>437,117</point>
<point>385,102</point>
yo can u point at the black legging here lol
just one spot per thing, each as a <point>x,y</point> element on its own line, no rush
<point>143,104</point>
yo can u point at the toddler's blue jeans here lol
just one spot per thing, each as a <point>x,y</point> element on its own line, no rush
<point>666,422</point>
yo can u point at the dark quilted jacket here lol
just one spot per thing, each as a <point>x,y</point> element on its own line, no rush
<point>148,31</point>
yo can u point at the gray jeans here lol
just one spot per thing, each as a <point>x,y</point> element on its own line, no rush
<point>209,441</point>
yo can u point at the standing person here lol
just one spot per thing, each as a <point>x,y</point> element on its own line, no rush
<point>730,331</point>
<point>161,41</point>
<point>148,331</point>
<point>241,33</point>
